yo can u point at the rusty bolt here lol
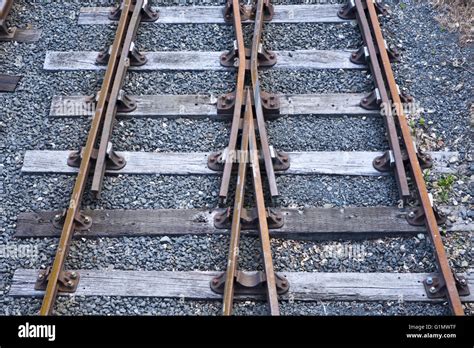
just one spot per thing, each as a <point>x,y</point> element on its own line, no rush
<point>272,105</point>
<point>215,281</point>
<point>69,284</point>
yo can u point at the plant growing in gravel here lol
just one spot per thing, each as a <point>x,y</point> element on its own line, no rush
<point>445,184</point>
<point>426,175</point>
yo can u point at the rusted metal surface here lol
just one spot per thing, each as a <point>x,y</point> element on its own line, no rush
<point>264,104</point>
<point>249,283</point>
<point>272,295</point>
<point>133,21</point>
<point>248,219</point>
<point>260,217</point>
<point>232,262</point>
<point>256,48</point>
<point>446,274</point>
<point>67,282</point>
<point>392,135</point>
<point>249,146</point>
<point>147,14</point>
<point>435,287</point>
<point>75,203</point>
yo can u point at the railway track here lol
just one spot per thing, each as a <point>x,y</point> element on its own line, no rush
<point>8,83</point>
<point>248,155</point>
<point>98,152</point>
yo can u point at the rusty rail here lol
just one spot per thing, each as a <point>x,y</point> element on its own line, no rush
<point>257,48</point>
<point>56,277</point>
<point>239,97</point>
<point>417,174</point>
<point>380,91</point>
<point>366,13</point>
<point>250,148</point>
<point>109,118</point>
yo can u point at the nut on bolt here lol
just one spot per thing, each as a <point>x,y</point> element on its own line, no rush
<point>429,280</point>
<point>69,284</point>
<point>73,275</point>
<point>411,214</point>
<point>433,290</point>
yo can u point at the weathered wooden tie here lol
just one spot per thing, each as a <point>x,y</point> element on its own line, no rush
<point>305,286</point>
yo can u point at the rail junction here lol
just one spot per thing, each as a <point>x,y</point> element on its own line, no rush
<point>248,166</point>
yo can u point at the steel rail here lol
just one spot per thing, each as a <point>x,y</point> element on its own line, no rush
<point>249,152</point>
<point>392,135</point>
<point>124,63</point>
<point>232,261</point>
<point>272,295</point>
<point>265,148</point>
<point>239,97</point>
<point>81,180</point>
<point>431,224</point>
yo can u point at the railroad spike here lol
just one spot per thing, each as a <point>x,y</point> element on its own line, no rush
<point>268,11</point>
<point>424,159</point>
<point>266,58</point>
<point>435,287</point>
<point>147,13</point>
<point>135,57</point>
<point>385,162</point>
<point>113,160</point>
<point>416,217</point>
<point>372,101</point>
<point>249,219</point>
<point>348,10</point>
<point>229,12</point>
<point>270,104</point>
<point>66,283</point>
<point>125,103</point>
<point>360,56</point>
